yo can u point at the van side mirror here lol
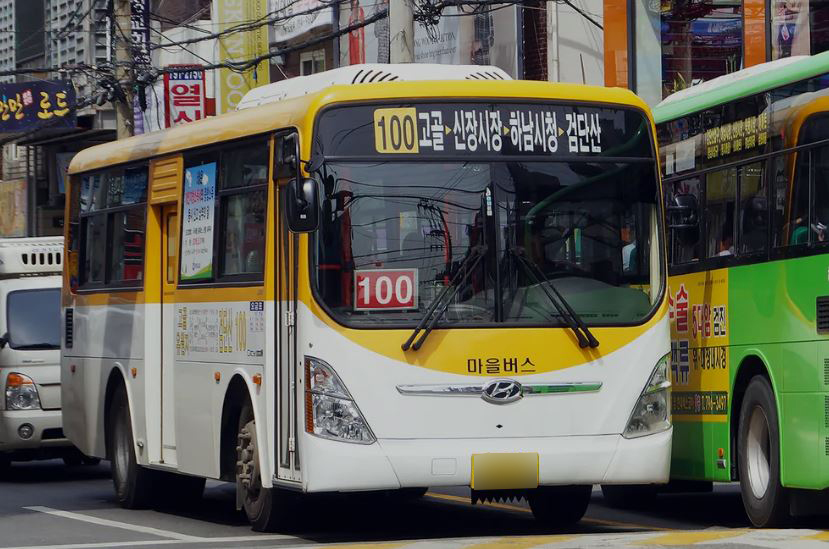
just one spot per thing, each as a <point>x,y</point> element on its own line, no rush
<point>682,213</point>
<point>302,205</point>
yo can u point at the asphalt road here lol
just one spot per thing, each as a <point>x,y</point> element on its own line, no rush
<point>47,505</point>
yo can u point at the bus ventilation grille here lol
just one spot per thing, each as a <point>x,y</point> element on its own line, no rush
<point>826,411</point>
<point>826,372</point>
<point>69,328</point>
<point>370,75</point>
<point>484,75</point>
<point>827,445</point>
<point>823,315</point>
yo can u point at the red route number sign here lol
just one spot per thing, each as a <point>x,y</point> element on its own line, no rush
<point>383,289</point>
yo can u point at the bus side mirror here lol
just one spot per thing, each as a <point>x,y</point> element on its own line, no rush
<point>286,157</point>
<point>302,205</point>
<point>682,214</point>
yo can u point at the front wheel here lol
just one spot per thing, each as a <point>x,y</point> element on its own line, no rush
<point>265,508</point>
<point>134,485</point>
<point>559,506</point>
<point>765,500</point>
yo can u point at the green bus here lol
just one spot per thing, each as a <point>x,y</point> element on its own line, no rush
<point>745,162</point>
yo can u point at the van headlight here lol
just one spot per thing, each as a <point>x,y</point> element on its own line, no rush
<point>21,393</point>
<point>330,411</point>
<point>652,412</point>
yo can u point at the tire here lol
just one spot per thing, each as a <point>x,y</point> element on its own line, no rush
<point>765,500</point>
<point>134,485</point>
<point>559,506</point>
<point>634,496</point>
<point>265,508</point>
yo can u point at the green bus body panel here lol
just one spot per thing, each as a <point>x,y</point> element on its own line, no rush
<point>771,312</point>
<point>735,89</point>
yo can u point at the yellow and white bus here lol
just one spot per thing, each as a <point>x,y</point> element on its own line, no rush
<point>373,281</point>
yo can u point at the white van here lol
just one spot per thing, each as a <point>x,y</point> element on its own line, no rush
<point>30,417</point>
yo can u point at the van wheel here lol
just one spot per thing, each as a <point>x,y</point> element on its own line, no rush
<point>134,485</point>
<point>766,502</point>
<point>634,496</point>
<point>559,506</point>
<point>265,508</point>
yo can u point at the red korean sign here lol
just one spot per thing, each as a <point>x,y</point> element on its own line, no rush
<point>184,95</point>
<point>384,289</point>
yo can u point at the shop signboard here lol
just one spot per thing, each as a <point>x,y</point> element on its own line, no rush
<point>29,105</point>
<point>297,17</point>
<point>184,95</point>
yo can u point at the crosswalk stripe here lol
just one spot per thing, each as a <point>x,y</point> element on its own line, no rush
<point>690,538</point>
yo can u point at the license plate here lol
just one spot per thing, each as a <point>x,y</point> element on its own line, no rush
<point>504,471</point>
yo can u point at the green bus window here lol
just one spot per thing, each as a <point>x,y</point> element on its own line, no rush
<point>820,179</point>
<point>720,201</point>
<point>685,243</point>
<point>753,221</point>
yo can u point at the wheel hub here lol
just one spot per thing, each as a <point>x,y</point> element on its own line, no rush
<point>247,460</point>
<point>758,454</point>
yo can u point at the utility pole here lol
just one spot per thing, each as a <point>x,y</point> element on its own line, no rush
<point>401,32</point>
<point>124,113</point>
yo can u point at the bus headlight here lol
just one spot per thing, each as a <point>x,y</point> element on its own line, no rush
<point>330,411</point>
<point>652,412</point>
<point>21,393</point>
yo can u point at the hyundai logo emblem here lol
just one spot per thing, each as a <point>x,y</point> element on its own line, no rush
<point>502,391</point>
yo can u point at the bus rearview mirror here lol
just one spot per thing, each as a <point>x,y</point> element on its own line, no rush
<point>286,157</point>
<point>682,213</point>
<point>302,205</point>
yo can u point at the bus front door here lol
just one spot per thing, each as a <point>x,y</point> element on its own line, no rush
<point>169,272</point>
<point>288,363</point>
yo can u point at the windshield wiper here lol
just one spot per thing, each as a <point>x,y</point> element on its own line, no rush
<point>573,320</point>
<point>436,309</point>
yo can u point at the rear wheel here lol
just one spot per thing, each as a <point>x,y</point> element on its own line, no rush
<point>134,485</point>
<point>765,500</point>
<point>265,508</point>
<point>633,496</point>
<point>559,506</point>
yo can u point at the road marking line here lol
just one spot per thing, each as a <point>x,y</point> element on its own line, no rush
<point>96,545</point>
<point>520,542</point>
<point>690,538</point>
<point>114,524</point>
<point>588,520</point>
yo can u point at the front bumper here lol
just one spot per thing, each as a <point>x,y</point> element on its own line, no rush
<point>394,463</point>
<point>45,422</point>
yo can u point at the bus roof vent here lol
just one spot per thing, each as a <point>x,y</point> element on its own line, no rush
<point>31,256</point>
<point>366,74</point>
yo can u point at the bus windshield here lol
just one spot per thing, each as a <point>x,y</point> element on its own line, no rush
<point>393,234</point>
<point>33,319</point>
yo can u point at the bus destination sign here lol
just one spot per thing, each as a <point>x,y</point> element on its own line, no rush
<point>493,129</point>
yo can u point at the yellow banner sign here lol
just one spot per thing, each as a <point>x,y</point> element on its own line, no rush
<point>238,47</point>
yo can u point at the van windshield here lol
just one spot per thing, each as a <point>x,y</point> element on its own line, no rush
<point>33,319</point>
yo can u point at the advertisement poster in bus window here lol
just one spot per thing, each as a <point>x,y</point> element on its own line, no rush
<point>197,222</point>
<point>698,312</point>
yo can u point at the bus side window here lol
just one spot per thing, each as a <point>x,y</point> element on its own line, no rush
<point>791,199</point>
<point>684,243</point>
<point>753,221</point>
<point>820,175</point>
<point>720,202</point>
